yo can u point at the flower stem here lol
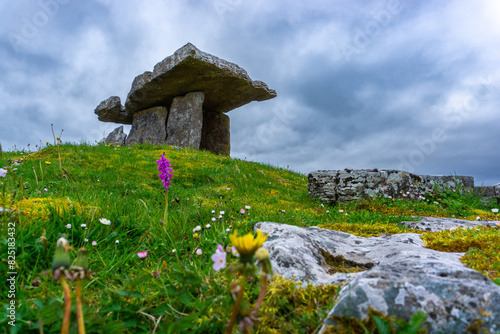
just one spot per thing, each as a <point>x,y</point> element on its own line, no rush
<point>67,305</point>
<point>165,214</point>
<point>79,310</point>
<point>262,294</point>
<point>237,305</point>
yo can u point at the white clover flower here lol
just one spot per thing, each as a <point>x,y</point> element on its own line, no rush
<point>247,207</point>
<point>222,213</point>
<point>207,226</point>
<point>197,228</point>
<point>213,219</point>
<point>104,221</point>
<point>68,226</point>
<point>83,225</point>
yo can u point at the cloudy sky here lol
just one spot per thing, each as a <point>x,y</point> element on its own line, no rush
<point>398,84</point>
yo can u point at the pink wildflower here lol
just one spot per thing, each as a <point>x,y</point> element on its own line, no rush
<point>165,171</point>
<point>219,258</point>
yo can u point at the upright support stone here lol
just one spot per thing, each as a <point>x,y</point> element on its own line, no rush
<point>185,120</point>
<point>215,134</point>
<point>148,126</point>
<point>116,137</point>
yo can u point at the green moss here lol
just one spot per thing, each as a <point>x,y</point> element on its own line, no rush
<point>376,322</point>
<point>40,208</point>
<point>366,230</point>
<point>340,264</point>
<point>481,245</point>
<point>290,307</point>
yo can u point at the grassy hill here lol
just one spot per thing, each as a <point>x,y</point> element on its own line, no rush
<point>66,190</point>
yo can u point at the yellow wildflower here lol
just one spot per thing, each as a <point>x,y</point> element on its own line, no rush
<point>247,245</point>
<point>48,162</point>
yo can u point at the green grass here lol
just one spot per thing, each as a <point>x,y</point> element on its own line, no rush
<point>168,291</point>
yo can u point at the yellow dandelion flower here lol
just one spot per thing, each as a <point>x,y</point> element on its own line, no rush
<point>48,163</point>
<point>247,244</point>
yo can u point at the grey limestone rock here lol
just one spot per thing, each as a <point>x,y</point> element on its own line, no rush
<point>346,185</point>
<point>215,134</point>
<point>149,126</point>
<point>111,110</point>
<point>117,136</point>
<point>185,120</point>
<point>226,85</point>
<point>433,224</point>
<point>401,278</point>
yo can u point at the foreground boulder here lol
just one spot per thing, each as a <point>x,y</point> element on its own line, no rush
<point>398,276</point>
<point>196,88</point>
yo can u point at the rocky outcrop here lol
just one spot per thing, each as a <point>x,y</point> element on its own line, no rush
<point>398,276</point>
<point>224,85</point>
<point>111,110</point>
<point>346,185</point>
<point>185,120</point>
<point>149,127</point>
<point>116,137</point>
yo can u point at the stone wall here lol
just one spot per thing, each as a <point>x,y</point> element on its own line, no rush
<point>346,185</point>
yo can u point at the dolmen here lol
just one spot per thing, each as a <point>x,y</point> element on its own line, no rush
<point>184,101</point>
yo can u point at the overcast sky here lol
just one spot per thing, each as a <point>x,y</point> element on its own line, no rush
<point>411,85</point>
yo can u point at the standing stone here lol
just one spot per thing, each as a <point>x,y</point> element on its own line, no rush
<point>215,135</point>
<point>148,126</point>
<point>117,136</point>
<point>185,120</point>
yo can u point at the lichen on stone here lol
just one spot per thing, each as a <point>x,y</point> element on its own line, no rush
<point>481,245</point>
